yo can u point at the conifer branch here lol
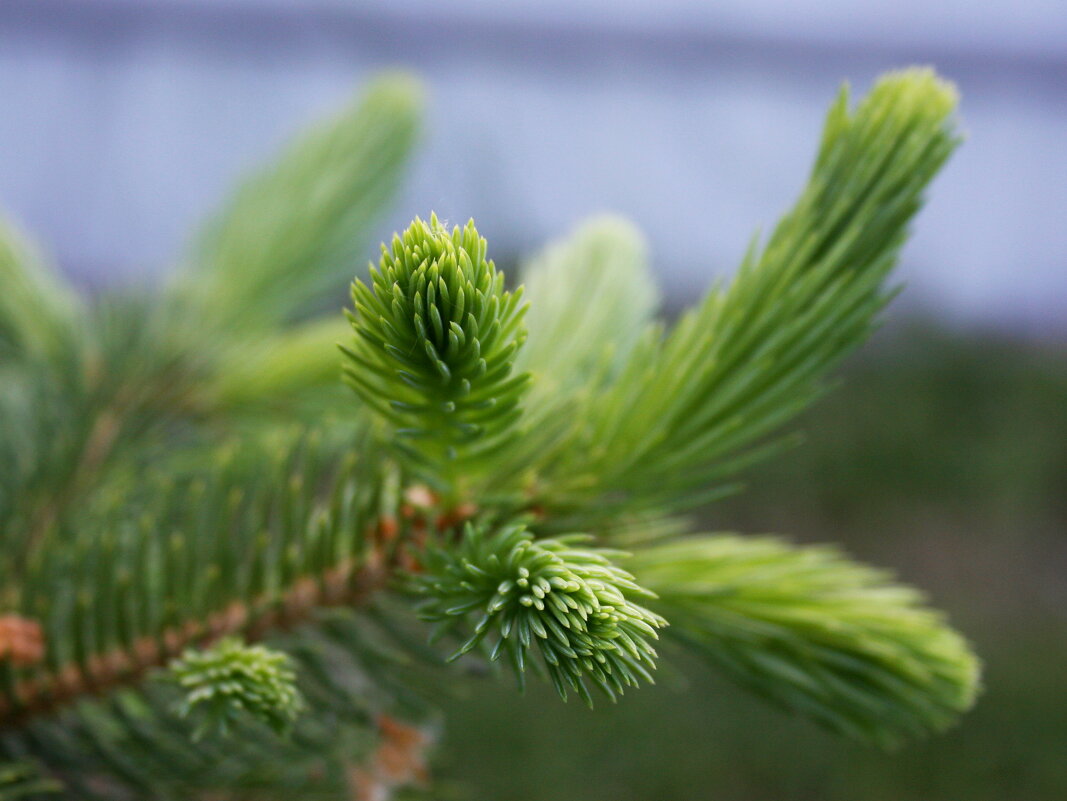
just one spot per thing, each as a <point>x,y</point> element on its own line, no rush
<point>131,537</point>
<point>436,341</point>
<point>697,406</point>
<point>269,616</point>
<point>591,297</point>
<point>815,633</point>
<point>573,603</point>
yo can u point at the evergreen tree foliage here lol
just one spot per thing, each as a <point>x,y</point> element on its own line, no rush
<point>572,602</point>
<point>437,339</point>
<point>814,632</point>
<point>215,562</point>
<point>230,680</point>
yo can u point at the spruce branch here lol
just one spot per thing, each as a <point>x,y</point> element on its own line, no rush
<point>128,537</point>
<point>55,688</point>
<point>814,632</point>
<point>697,406</point>
<point>436,341</point>
<point>132,539</point>
<point>591,296</point>
<point>250,553</point>
<point>245,558</point>
<point>571,601</point>
<point>269,372</point>
<point>67,429</point>
<point>231,680</point>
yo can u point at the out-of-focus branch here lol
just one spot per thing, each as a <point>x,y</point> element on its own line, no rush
<point>399,761</point>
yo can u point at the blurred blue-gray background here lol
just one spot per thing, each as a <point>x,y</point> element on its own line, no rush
<point>124,121</point>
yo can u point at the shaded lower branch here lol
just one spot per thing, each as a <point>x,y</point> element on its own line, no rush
<point>346,585</point>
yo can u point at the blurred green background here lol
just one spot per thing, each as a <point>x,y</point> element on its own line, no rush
<point>942,455</point>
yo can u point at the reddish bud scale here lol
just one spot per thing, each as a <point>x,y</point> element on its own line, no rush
<point>21,640</point>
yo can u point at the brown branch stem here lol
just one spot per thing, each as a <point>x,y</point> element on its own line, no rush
<point>346,585</point>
